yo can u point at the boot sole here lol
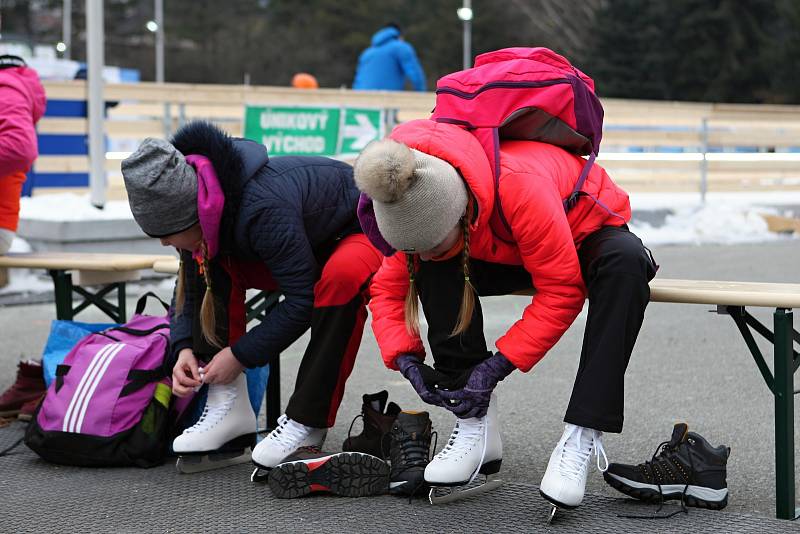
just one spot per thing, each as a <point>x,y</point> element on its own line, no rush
<point>650,494</point>
<point>349,474</point>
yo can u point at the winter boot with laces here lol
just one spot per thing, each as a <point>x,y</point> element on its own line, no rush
<point>409,452</point>
<point>29,386</point>
<point>474,448</point>
<point>564,482</point>
<point>686,467</point>
<point>288,437</point>
<point>377,418</point>
<point>225,433</point>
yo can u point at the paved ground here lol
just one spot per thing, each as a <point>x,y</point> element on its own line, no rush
<point>689,365</point>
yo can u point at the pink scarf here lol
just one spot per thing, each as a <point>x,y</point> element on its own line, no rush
<point>210,203</point>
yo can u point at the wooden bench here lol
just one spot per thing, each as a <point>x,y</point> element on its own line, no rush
<point>109,271</point>
<point>732,299</point>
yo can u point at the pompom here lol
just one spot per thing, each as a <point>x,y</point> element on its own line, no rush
<point>385,170</point>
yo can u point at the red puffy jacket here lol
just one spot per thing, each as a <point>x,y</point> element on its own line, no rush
<point>534,179</point>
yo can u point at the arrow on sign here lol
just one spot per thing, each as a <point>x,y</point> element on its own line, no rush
<point>364,131</point>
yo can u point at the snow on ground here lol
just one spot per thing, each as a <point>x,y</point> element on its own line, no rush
<point>725,218</point>
<point>71,207</point>
<point>25,280</point>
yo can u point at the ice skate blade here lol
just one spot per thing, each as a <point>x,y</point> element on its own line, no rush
<point>552,514</point>
<point>455,494</point>
<point>190,464</point>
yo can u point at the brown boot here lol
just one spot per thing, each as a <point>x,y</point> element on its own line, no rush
<point>377,424</point>
<point>29,386</point>
<point>29,408</point>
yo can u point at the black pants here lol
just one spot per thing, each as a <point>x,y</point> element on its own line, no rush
<point>616,268</point>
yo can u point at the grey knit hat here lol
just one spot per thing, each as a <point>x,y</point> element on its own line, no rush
<point>162,188</point>
<point>418,198</point>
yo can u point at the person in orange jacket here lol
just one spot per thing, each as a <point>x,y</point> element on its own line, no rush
<point>433,195</point>
<point>24,102</point>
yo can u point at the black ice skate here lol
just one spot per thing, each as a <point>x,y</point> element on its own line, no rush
<point>686,467</point>
<point>377,418</point>
<point>350,474</point>
<point>409,452</point>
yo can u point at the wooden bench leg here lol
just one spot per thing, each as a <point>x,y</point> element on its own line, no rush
<point>784,416</point>
<point>257,308</point>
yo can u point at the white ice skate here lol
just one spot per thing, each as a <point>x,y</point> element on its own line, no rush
<point>564,482</point>
<point>225,433</point>
<point>474,448</point>
<point>287,437</point>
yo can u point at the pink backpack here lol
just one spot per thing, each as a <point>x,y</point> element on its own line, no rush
<point>523,93</point>
<point>110,402</point>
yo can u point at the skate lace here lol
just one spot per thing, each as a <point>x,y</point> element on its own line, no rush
<point>219,402</point>
<point>575,458</point>
<point>288,433</point>
<point>661,455</point>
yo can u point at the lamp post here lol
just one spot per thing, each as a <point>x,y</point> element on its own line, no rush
<point>465,14</point>
<point>65,46</point>
<point>95,41</point>
<point>156,26</point>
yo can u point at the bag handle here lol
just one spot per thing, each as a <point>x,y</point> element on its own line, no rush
<point>142,302</point>
<point>135,331</point>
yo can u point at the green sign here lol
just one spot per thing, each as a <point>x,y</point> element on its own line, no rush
<point>323,131</point>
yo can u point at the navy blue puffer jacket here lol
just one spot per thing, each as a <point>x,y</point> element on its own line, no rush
<point>287,212</point>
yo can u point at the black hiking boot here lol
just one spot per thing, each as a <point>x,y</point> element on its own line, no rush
<point>378,419</point>
<point>409,452</point>
<point>686,467</point>
<point>309,470</point>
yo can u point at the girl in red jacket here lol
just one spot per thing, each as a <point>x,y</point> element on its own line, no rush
<point>433,196</point>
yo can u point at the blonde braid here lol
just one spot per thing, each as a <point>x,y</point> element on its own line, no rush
<point>208,322</point>
<point>411,305</point>
<point>468,297</point>
<point>180,289</point>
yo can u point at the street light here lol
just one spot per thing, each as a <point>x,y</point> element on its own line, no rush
<point>61,47</point>
<point>465,14</point>
<point>151,26</point>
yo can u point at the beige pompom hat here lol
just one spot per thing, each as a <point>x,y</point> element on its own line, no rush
<point>418,198</point>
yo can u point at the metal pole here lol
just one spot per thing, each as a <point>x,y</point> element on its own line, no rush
<point>159,18</point>
<point>95,60</point>
<point>66,28</point>
<point>704,161</point>
<point>468,37</point>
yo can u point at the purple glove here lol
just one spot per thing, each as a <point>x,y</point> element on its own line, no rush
<point>473,399</point>
<point>412,368</point>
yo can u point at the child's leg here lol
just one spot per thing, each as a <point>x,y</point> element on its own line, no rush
<point>337,324</point>
<point>616,268</point>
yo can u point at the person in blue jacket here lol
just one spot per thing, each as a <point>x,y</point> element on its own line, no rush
<point>242,220</point>
<point>388,62</point>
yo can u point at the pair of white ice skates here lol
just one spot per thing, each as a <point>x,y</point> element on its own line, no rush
<point>475,449</point>
<point>225,434</point>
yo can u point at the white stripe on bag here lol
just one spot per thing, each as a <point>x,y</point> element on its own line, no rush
<point>81,385</point>
<point>98,376</point>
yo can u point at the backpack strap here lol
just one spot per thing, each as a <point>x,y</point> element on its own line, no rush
<point>572,199</point>
<point>142,302</point>
<point>61,371</point>
<point>139,378</point>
